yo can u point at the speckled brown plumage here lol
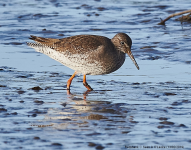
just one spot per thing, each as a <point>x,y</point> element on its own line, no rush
<point>87,54</point>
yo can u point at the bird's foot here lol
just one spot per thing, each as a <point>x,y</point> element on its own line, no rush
<point>87,86</point>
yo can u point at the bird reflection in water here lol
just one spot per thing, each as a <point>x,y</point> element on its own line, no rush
<point>81,112</point>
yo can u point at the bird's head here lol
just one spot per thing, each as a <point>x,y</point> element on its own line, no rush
<point>123,42</point>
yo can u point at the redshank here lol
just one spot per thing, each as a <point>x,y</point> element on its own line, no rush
<point>87,54</point>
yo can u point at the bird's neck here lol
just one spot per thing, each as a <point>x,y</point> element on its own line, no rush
<point>121,56</point>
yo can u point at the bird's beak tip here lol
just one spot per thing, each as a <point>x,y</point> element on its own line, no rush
<point>137,66</point>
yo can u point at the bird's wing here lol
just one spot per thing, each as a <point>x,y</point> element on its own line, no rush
<point>79,44</point>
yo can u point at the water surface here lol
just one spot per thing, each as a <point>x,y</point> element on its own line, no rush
<point>130,107</point>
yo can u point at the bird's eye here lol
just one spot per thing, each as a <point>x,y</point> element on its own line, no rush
<point>122,43</point>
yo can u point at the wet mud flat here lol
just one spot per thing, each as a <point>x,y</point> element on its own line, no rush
<point>128,109</point>
<point>118,115</point>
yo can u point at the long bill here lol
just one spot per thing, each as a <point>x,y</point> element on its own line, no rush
<point>132,58</point>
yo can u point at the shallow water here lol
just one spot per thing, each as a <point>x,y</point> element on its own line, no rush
<point>130,107</point>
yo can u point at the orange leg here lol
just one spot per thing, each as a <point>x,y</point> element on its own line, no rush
<point>68,92</point>
<point>70,81</point>
<point>86,84</point>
